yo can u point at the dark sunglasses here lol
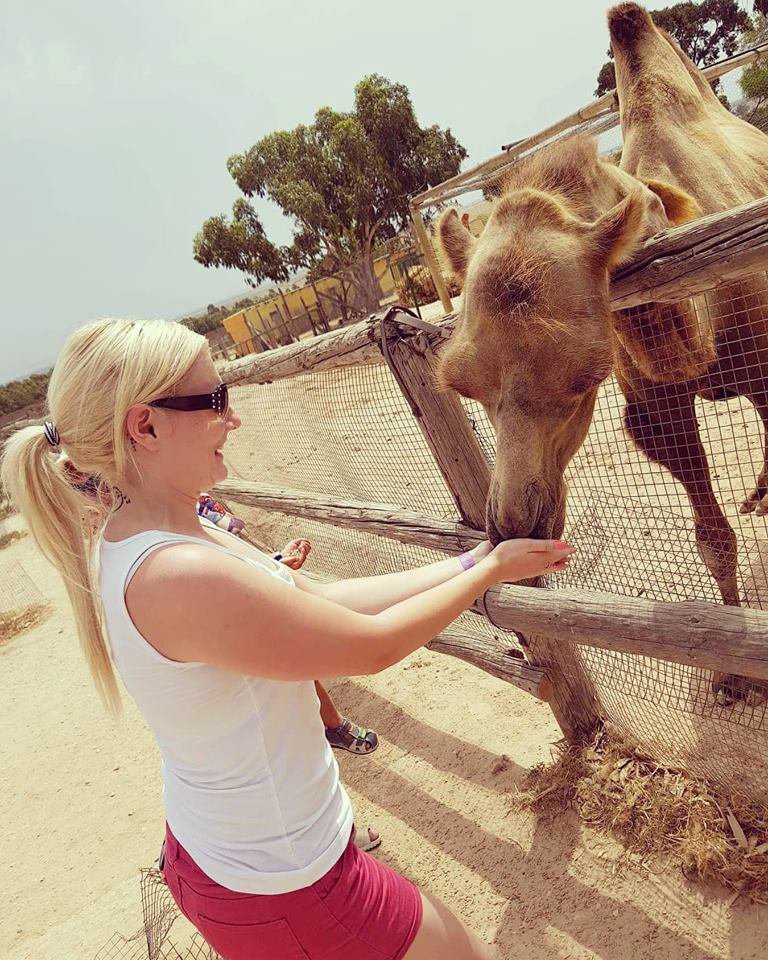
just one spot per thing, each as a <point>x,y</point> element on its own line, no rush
<point>218,401</point>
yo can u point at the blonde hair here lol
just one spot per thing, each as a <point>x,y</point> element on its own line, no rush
<point>104,368</point>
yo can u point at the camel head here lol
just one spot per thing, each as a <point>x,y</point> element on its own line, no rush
<point>533,341</point>
<point>673,125</point>
<point>655,80</point>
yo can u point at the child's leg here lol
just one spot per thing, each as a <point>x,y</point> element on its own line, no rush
<point>328,712</point>
<point>340,732</point>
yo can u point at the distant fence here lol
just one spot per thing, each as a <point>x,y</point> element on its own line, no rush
<point>280,324</point>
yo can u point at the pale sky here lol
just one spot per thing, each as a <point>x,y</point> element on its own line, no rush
<point>117,118</point>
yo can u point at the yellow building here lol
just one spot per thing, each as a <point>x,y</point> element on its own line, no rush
<point>289,314</point>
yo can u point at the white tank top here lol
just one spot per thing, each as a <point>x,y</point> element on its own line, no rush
<point>250,783</point>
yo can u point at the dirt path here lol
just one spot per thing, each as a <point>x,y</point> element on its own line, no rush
<point>82,813</point>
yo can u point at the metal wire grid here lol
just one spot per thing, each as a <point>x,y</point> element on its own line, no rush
<point>151,941</point>
<point>347,432</point>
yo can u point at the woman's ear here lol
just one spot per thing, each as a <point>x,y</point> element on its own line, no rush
<point>139,426</point>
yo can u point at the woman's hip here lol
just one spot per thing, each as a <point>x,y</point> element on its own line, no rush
<point>359,910</point>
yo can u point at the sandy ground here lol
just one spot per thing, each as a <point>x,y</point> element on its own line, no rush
<point>81,811</point>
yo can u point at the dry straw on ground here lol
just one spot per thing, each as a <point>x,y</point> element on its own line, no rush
<point>656,812</point>
<point>6,539</point>
<point>17,621</point>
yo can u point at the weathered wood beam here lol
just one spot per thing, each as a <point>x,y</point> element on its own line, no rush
<point>696,257</point>
<point>489,657</point>
<point>425,242</point>
<point>445,427</point>
<point>384,520</point>
<point>693,633</point>
<point>340,348</point>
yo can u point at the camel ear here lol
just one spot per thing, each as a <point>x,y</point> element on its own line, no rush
<point>455,242</point>
<point>617,234</point>
<point>679,206</point>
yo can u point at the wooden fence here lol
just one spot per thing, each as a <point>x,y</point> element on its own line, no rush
<point>681,262</point>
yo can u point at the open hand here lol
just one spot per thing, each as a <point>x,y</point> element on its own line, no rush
<point>522,559</point>
<point>295,553</point>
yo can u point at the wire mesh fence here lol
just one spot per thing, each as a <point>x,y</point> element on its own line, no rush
<point>349,433</point>
<point>154,940</point>
<point>346,431</point>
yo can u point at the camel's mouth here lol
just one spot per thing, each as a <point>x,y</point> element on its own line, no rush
<point>548,526</point>
<point>627,23</point>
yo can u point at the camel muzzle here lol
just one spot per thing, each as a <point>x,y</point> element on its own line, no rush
<point>627,23</point>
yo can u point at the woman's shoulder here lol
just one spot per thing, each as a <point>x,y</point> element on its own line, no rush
<point>185,591</point>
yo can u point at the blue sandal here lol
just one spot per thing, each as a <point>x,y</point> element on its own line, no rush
<point>349,736</point>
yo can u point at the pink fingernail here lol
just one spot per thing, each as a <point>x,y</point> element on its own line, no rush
<point>561,545</point>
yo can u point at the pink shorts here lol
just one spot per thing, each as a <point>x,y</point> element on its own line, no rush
<point>360,910</point>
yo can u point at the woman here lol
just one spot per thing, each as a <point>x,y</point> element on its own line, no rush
<point>260,851</point>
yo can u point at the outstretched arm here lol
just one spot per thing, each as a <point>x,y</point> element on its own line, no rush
<point>374,594</point>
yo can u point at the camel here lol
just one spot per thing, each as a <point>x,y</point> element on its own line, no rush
<point>536,337</point>
<point>674,127</point>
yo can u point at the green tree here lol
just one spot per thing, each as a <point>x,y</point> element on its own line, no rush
<point>706,31</point>
<point>344,181</point>
<point>754,78</point>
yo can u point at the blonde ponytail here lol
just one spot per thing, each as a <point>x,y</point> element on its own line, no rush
<point>104,368</point>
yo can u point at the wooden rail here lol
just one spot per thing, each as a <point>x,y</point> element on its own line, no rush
<point>696,257</point>
<point>694,633</point>
<point>382,519</point>
<point>690,632</point>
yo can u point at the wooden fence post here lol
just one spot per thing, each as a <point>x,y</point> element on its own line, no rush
<point>567,686</point>
<point>424,241</point>
<point>288,316</point>
<point>266,330</point>
<point>308,311</point>
<point>320,310</point>
<point>445,427</point>
<point>462,463</point>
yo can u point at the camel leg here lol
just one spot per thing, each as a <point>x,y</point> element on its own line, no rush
<point>757,500</point>
<point>664,427</point>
